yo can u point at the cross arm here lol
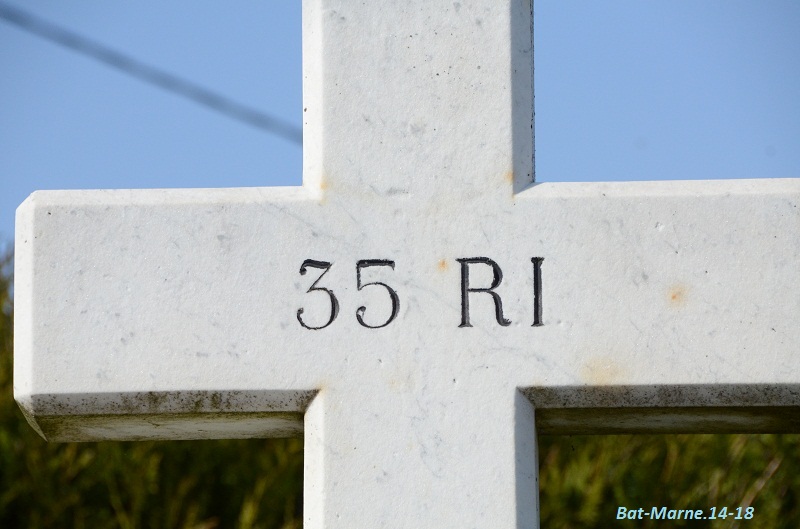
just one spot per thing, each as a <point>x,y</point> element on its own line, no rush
<point>142,314</point>
<point>672,306</point>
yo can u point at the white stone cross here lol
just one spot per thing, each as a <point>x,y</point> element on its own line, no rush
<point>419,309</point>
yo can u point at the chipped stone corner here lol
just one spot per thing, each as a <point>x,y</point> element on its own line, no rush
<point>26,407</point>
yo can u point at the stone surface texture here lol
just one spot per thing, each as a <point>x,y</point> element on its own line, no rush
<point>172,314</point>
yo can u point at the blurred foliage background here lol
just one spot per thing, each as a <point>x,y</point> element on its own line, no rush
<point>584,479</point>
<point>258,483</point>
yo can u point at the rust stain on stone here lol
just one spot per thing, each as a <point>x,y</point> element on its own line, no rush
<point>324,187</point>
<point>601,371</point>
<point>677,296</point>
<point>442,265</point>
<point>509,177</point>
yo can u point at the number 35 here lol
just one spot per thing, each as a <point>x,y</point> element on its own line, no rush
<point>360,265</point>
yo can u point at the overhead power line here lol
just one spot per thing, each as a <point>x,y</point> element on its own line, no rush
<point>150,74</point>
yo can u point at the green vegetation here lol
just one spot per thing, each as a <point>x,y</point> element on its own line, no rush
<point>258,483</point>
<point>584,479</point>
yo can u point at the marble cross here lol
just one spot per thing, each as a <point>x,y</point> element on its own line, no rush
<point>419,309</point>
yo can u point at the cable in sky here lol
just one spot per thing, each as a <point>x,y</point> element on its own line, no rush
<point>150,74</point>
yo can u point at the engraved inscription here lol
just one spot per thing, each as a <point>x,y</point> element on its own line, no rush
<point>324,266</point>
<point>365,263</point>
<point>467,288</point>
<point>537,291</point>
<point>360,285</point>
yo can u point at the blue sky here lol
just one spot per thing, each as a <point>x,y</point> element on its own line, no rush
<point>625,90</point>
